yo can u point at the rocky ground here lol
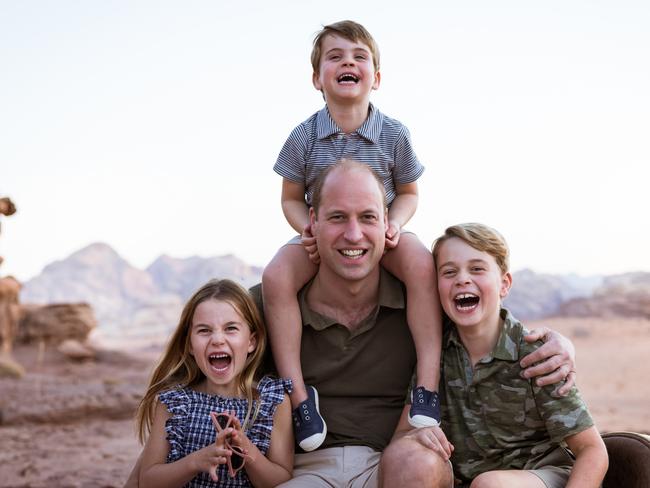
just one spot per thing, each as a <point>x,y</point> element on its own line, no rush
<point>69,424</point>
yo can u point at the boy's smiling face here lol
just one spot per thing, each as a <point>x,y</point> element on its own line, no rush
<point>470,284</point>
<point>346,71</point>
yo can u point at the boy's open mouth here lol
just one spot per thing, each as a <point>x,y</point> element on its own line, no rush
<point>219,361</point>
<point>466,301</point>
<point>348,78</point>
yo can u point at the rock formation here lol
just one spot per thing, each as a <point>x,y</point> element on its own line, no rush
<point>55,323</point>
<point>9,312</point>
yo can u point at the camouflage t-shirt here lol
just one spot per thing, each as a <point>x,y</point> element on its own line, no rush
<point>494,418</point>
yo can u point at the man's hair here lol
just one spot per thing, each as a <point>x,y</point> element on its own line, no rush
<point>347,29</point>
<point>344,165</point>
<point>480,237</point>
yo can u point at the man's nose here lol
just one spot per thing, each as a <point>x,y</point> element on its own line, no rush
<point>353,231</point>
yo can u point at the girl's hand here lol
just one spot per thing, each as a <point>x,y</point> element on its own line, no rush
<point>392,235</point>
<point>309,243</point>
<point>208,459</point>
<point>237,437</point>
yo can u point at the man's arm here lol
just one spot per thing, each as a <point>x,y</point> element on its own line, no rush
<point>553,362</point>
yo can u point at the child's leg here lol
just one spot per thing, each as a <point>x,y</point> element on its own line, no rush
<point>511,477</point>
<point>412,263</point>
<point>282,279</point>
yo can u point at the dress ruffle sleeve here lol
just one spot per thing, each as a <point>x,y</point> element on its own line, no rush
<point>272,391</point>
<point>176,427</point>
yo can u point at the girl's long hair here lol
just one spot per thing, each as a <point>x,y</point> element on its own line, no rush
<point>178,367</point>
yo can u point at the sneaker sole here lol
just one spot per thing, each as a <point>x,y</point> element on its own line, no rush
<point>314,441</point>
<point>419,421</point>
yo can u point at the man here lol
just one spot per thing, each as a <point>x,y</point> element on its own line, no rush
<point>357,350</point>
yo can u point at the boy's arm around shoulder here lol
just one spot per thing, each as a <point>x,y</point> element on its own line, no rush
<point>591,459</point>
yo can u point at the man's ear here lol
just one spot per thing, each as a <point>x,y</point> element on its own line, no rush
<point>313,221</point>
<point>506,284</point>
<point>375,85</point>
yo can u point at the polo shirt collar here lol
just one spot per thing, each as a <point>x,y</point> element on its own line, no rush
<point>391,295</point>
<point>506,348</point>
<point>370,129</point>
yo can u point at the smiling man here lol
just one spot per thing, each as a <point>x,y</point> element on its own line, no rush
<point>356,346</point>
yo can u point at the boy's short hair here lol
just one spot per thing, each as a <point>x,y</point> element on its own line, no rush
<point>480,237</point>
<point>347,29</point>
<point>349,165</point>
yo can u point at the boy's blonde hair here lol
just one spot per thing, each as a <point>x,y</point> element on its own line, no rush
<point>347,29</point>
<point>178,367</point>
<point>480,237</point>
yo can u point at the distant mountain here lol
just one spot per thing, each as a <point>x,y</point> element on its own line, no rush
<point>128,300</point>
<point>183,276</point>
<point>534,296</point>
<point>625,295</point>
<point>132,302</point>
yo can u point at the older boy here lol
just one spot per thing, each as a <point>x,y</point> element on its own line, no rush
<point>345,60</point>
<point>506,431</point>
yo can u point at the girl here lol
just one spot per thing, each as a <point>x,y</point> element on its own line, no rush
<point>208,422</point>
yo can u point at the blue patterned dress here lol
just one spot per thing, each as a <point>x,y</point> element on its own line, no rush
<point>190,428</point>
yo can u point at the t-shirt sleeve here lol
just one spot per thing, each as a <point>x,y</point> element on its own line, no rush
<point>407,166</point>
<point>563,416</point>
<point>292,158</point>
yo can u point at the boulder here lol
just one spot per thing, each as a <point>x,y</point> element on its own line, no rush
<point>55,323</point>
<point>75,350</point>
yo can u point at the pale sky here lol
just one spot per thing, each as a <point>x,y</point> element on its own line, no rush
<point>153,126</point>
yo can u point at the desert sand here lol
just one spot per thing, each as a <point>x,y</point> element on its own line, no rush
<point>68,424</point>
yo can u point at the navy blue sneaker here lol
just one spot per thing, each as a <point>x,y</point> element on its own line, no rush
<point>425,408</point>
<point>308,425</point>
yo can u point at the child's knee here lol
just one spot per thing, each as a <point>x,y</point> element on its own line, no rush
<point>486,480</point>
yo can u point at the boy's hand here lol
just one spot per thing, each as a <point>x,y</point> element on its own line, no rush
<point>309,243</point>
<point>432,438</point>
<point>557,356</point>
<point>392,235</point>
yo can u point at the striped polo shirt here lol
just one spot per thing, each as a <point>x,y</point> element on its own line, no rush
<point>381,142</point>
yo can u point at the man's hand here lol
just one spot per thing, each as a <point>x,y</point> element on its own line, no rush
<point>393,232</point>
<point>309,243</point>
<point>556,358</point>
<point>432,438</point>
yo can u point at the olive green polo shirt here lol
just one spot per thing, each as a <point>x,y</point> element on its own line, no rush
<point>361,376</point>
<point>494,418</point>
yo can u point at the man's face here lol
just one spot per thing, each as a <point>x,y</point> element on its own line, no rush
<point>350,227</point>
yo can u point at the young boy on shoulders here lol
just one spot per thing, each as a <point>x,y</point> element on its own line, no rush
<point>506,431</point>
<point>345,61</point>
